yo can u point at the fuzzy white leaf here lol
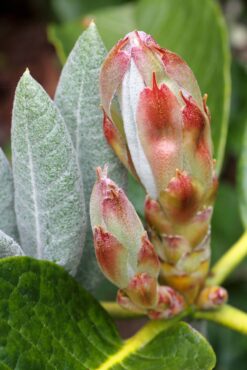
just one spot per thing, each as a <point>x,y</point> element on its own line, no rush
<point>8,247</point>
<point>7,211</point>
<point>77,97</point>
<point>48,188</point>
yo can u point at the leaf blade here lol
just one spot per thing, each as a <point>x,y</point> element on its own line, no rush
<point>9,247</point>
<point>53,319</point>
<point>51,322</point>
<point>48,190</point>
<point>77,97</point>
<point>7,210</point>
<point>242,180</point>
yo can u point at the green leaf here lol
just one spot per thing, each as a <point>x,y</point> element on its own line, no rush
<point>230,347</point>
<point>113,23</point>
<point>242,179</point>
<point>173,349</point>
<point>48,191</point>
<point>64,37</point>
<point>8,247</point>
<point>67,10</point>
<point>7,211</point>
<point>228,229</point>
<point>77,98</point>
<point>238,112</point>
<point>200,37</point>
<point>47,321</point>
<point>136,195</point>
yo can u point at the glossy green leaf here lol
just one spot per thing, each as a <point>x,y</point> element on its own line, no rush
<point>228,229</point>
<point>47,321</point>
<point>136,195</point>
<point>8,246</point>
<point>231,346</point>
<point>197,34</point>
<point>66,10</point>
<point>48,190</point>
<point>77,98</point>
<point>238,114</point>
<point>173,349</point>
<point>113,23</point>
<point>242,179</point>
<point>7,211</point>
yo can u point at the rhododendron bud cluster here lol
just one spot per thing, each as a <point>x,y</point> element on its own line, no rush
<point>158,124</point>
<point>125,254</point>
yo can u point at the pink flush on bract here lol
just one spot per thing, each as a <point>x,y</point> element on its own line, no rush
<point>155,118</point>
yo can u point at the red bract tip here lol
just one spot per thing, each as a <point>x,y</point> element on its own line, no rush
<point>102,174</point>
<point>170,303</point>
<point>155,86</point>
<point>142,290</point>
<point>148,260</point>
<point>181,198</point>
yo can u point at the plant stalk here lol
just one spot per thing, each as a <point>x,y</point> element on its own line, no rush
<point>228,316</point>
<point>228,262</point>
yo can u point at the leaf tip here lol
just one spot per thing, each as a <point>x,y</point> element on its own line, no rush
<point>27,72</point>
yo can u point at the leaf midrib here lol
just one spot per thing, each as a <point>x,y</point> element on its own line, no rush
<point>139,340</point>
<point>33,186</point>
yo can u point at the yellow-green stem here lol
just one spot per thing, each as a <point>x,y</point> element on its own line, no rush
<point>118,312</point>
<point>229,261</point>
<point>227,316</point>
<point>143,336</point>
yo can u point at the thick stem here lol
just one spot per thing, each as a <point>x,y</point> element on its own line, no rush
<point>229,261</point>
<point>143,336</point>
<point>118,312</point>
<point>227,316</point>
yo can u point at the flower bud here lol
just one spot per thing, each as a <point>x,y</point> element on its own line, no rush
<point>170,303</point>
<point>124,253</point>
<point>158,124</point>
<point>164,125</point>
<point>212,297</point>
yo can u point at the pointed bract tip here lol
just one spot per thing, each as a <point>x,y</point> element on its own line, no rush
<point>92,23</point>
<point>205,98</point>
<point>187,98</point>
<point>101,173</point>
<point>155,85</point>
<point>88,23</point>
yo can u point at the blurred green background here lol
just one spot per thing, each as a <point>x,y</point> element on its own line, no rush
<point>39,35</point>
